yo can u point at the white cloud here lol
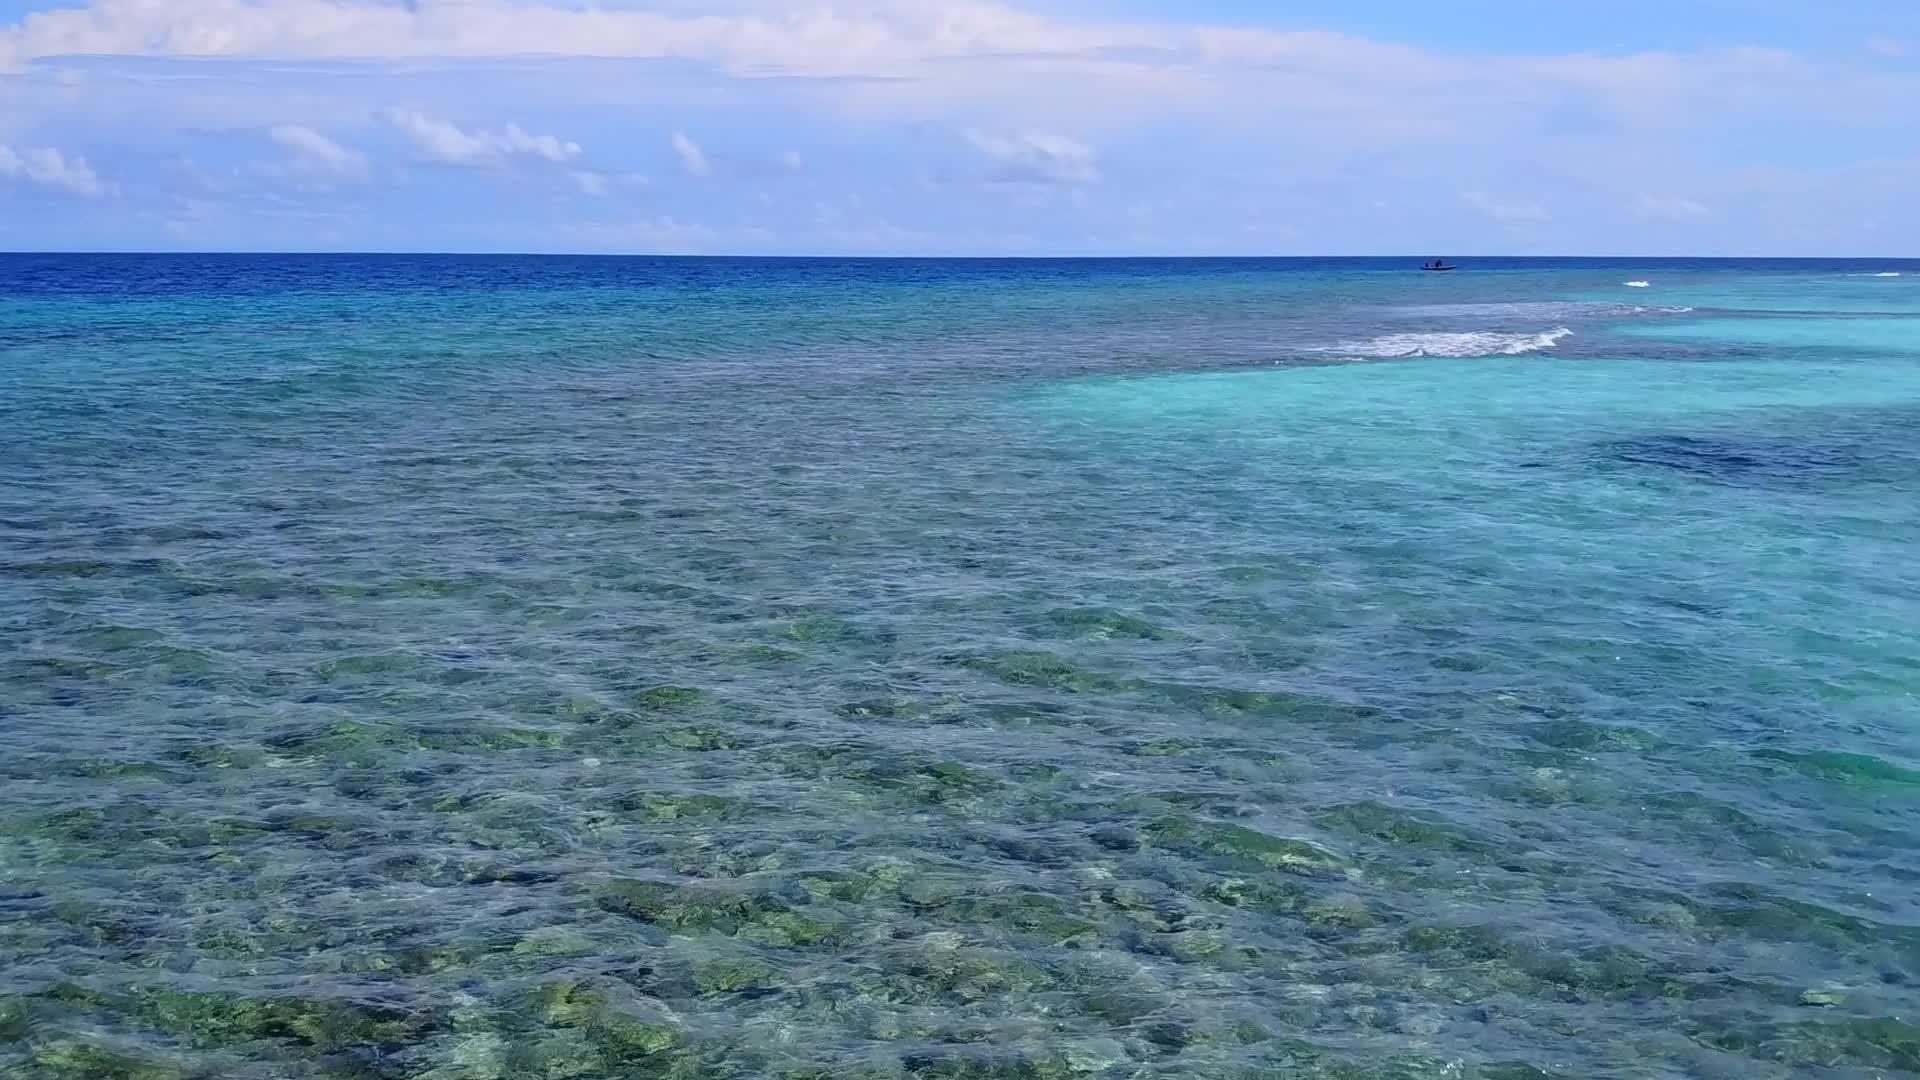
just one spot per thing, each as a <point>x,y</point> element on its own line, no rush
<point>792,161</point>
<point>1508,213</point>
<point>314,153</point>
<point>692,157</point>
<point>1038,157</point>
<point>752,38</point>
<point>600,184</point>
<point>451,145</point>
<point>948,58</point>
<point>50,168</point>
<point>1881,45</point>
<point>1670,208</point>
<point>872,78</point>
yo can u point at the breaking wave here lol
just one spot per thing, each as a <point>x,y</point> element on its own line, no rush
<point>1471,343</point>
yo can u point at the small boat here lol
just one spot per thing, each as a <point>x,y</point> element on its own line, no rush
<point>1437,265</point>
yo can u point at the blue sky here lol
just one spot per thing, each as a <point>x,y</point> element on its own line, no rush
<point>916,127</point>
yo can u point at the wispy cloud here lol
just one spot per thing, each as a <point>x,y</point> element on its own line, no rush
<point>49,168</point>
<point>1037,157</point>
<point>1670,208</point>
<point>1504,211</point>
<point>314,153</point>
<point>451,145</point>
<point>692,157</point>
<point>1882,45</point>
<point>602,185</point>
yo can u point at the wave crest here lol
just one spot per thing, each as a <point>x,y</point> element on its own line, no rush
<point>1464,344</point>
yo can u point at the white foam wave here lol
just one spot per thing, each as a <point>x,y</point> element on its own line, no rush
<point>1471,343</point>
<point>1636,284</point>
<point>1883,273</point>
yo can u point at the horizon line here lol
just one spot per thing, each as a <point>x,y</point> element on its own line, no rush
<point>929,257</point>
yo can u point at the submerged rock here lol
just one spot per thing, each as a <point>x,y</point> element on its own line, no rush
<point>78,1060</point>
<point>700,739</point>
<point>1395,826</point>
<point>1240,842</point>
<point>686,908</point>
<point>669,698</point>
<point>1844,768</point>
<point>731,974</point>
<point>1101,624</point>
<point>1043,669</point>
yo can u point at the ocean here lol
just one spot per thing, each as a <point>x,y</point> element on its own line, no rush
<point>476,668</point>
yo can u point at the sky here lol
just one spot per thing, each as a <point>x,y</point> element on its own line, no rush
<point>970,127</point>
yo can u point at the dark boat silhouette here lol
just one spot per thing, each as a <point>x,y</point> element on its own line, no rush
<point>1438,265</point>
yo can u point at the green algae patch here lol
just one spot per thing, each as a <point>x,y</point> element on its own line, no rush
<point>1103,624</point>
<point>827,630</point>
<point>1167,747</point>
<point>222,1019</point>
<point>1874,1042</point>
<point>78,1060</point>
<point>1046,671</point>
<point>669,807</point>
<point>212,1020</point>
<point>585,709</point>
<point>676,907</point>
<point>1854,770</point>
<point>219,756</point>
<point>1338,912</point>
<point>1580,736</point>
<point>793,928</point>
<point>348,740</point>
<point>1269,704</point>
<point>731,975</point>
<point>502,739</point>
<point>567,1004</point>
<point>126,771</point>
<point>950,778</point>
<point>599,1028</point>
<point>1390,825</point>
<point>97,924</point>
<point>700,739</point>
<point>659,699</point>
<point>884,710</point>
<point>1239,842</point>
<point>559,942</point>
<point>125,825</point>
<point>1050,919</point>
<point>945,972</point>
<point>984,1065</point>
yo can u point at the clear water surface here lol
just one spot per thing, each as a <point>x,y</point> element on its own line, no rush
<point>481,668</point>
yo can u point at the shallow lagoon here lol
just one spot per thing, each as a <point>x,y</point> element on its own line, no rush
<point>500,668</point>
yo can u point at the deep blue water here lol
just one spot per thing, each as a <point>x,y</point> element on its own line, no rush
<point>466,668</point>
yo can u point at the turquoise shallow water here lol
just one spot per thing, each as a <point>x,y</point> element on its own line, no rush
<point>458,669</point>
